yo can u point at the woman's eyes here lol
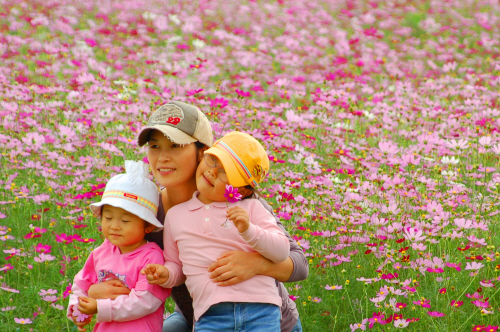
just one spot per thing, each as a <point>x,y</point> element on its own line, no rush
<point>173,146</point>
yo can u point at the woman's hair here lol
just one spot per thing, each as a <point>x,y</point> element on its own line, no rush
<point>199,145</point>
<point>255,193</point>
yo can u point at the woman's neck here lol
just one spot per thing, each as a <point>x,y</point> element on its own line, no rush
<point>173,196</point>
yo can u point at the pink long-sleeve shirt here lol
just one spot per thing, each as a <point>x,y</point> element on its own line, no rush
<point>194,239</point>
<point>142,309</point>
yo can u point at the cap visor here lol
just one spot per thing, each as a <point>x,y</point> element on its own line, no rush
<point>174,134</point>
<point>233,174</point>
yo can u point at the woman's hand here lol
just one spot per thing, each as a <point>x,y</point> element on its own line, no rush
<point>156,274</point>
<point>233,267</point>
<point>110,289</point>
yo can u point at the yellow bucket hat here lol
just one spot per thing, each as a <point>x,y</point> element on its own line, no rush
<point>243,158</point>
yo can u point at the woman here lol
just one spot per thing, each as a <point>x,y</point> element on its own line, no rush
<point>177,134</point>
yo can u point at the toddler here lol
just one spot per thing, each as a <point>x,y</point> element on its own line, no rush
<point>128,212</point>
<point>197,232</point>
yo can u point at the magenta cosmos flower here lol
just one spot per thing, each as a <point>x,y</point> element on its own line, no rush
<point>232,195</point>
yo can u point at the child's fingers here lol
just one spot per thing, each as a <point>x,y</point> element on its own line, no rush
<point>84,299</point>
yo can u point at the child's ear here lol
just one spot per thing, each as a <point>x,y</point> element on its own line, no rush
<point>148,228</point>
<point>244,191</point>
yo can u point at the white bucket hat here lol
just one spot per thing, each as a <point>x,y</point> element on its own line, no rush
<point>182,123</point>
<point>134,192</point>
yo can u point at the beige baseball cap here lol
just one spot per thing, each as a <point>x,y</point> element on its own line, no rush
<point>182,123</point>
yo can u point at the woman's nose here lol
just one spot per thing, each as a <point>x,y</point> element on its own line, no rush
<point>165,155</point>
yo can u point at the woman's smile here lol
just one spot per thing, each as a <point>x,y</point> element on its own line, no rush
<point>165,170</point>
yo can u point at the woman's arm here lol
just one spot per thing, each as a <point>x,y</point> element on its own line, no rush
<point>233,267</point>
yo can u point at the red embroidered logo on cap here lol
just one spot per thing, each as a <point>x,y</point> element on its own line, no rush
<point>173,121</point>
<point>130,196</point>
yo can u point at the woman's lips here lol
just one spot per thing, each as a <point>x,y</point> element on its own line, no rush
<point>165,170</point>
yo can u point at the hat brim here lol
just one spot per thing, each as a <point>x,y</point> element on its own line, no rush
<point>174,134</point>
<point>233,174</point>
<point>129,206</point>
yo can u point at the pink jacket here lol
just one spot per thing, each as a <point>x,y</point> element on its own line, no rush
<point>142,309</point>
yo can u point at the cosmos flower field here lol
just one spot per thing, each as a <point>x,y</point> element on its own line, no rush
<point>381,120</point>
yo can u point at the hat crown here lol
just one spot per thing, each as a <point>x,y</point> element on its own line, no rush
<point>135,181</point>
<point>248,155</point>
<point>182,123</point>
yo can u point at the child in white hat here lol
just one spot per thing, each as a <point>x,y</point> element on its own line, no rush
<point>198,231</point>
<point>128,211</point>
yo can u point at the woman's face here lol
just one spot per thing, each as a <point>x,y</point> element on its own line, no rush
<point>172,164</point>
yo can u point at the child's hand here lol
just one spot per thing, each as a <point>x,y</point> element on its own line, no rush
<point>239,217</point>
<point>80,319</point>
<point>156,274</point>
<point>87,305</point>
<point>81,325</point>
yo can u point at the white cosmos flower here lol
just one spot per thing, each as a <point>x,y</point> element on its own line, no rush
<point>450,160</point>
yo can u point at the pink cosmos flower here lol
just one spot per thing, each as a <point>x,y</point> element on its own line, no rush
<point>435,314</point>
<point>50,298</point>
<point>455,266</point>
<point>64,238</point>
<point>377,318</point>
<point>44,292</point>
<point>80,317</point>
<point>413,234</point>
<point>37,232</point>
<point>424,303</point>
<point>43,248</point>
<point>361,326</point>
<point>327,287</point>
<point>476,295</point>
<point>44,258</point>
<point>481,304</point>
<point>218,102</point>
<point>22,321</point>
<point>232,195</point>
<point>473,266</point>
<point>456,303</point>
<point>388,148</point>
<point>8,308</point>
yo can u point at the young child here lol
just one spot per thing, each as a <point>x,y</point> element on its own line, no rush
<point>195,236</point>
<point>128,212</point>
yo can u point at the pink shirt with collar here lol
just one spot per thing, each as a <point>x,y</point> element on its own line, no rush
<point>194,239</point>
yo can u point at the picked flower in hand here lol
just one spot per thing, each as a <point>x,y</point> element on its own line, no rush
<point>232,195</point>
<point>80,317</point>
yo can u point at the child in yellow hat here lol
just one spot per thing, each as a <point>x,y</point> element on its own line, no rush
<point>194,238</point>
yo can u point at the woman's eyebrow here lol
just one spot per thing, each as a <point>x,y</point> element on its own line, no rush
<point>153,139</point>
